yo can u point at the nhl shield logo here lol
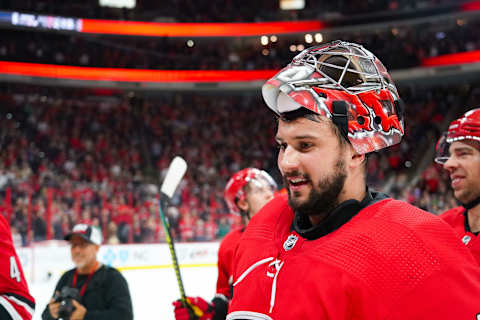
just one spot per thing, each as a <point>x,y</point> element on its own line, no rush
<point>290,242</point>
<point>466,239</point>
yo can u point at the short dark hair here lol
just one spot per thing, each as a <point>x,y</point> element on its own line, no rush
<point>310,115</point>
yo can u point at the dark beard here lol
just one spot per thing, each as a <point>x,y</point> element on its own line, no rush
<point>323,198</point>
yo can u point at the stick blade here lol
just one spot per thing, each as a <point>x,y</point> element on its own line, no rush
<point>175,173</point>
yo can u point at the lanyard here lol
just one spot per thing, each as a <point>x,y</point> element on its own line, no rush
<point>90,275</point>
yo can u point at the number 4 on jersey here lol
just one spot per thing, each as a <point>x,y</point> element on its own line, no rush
<point>14,272</point>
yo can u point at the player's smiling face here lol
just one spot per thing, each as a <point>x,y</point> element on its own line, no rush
<point>463,166</point>
<point>312,162</point>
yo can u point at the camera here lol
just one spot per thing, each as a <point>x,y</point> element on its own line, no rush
<point>65,298</point>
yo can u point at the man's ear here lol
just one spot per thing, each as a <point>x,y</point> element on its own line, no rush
<point>243,205</point>
<point>355,159</point>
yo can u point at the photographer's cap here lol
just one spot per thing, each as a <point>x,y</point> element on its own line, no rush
<point>89,233</point>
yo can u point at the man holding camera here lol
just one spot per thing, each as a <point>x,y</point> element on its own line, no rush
<point>91,290</point>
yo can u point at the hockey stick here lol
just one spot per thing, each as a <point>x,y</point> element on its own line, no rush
<point>174,175</point>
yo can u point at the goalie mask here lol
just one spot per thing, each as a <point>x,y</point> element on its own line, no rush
<point>235,188</point>
<point>347,84</point>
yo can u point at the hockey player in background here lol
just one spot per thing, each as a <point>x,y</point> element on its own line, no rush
<point>458,150</point>
<point>334,249</point>
<point>16,303</point>
<point>246,193</point>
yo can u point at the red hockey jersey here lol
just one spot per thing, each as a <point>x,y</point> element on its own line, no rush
<point>389,261</point>
<point>15,298</point>
<point>225,262</point>
<point>456,218</point>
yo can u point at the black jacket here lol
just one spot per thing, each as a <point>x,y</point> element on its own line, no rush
<point>106,295</point>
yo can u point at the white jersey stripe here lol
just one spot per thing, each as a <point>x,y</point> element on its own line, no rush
<point>21,303</point>
<point>253,266</point>
<point>221,296</point>
<point>9,308</point>
<point>247,315</point>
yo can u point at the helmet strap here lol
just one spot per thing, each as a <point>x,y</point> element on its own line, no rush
<point>339,117</point>
<point>245,216</point>
<point>471,204</point>
<point>399,108</point>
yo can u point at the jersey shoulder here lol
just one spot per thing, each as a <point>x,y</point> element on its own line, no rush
<point>404,234</point>
<point>396,212</point>
<point>5,235</point>
<point>427,228</point>
<point>392,246</point>
<point>276,216</point>
<point>231,239</point>
<point>454,216</point>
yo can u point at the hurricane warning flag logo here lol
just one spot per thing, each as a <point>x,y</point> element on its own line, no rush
<point>466,239</point>
<point>290,242</point>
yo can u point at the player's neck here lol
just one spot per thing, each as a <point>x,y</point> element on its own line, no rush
<point>474,218</point>
<point>352,192</point>
<point>93,266</point>
<point>354,189</point>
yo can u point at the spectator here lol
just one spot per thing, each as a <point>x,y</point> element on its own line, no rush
<point>98,291</point>
<point>112,230</point>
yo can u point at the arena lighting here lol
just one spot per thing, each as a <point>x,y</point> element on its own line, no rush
<point>471,6</point>
<point>300,47</point>
<point>293,48</point>
<point>308,38</point>
<point>129,4</point>
<point>450,59</point>
<point>318,37</point>
<point>265,52</point>
<point>190,43</point>
<point>273,38</point>
<point>190,30</point>
<point>292,4</point>
<point>264,40</point>
<point>131,75</point>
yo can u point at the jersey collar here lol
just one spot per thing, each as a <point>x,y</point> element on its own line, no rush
<point>467,224</point>
<point>337,218</point>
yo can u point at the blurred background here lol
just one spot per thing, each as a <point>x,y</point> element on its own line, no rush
<point>97,97</point>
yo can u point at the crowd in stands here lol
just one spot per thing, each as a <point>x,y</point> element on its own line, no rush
<point>77,155</point>
<point>216,10</point>
<point>398,48</point>
<point>85,158</point>
<point>431,192</point>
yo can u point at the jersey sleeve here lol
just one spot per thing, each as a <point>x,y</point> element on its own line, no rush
<point>224,280</point>
<point>15,298</point>
<point>225,263</point>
